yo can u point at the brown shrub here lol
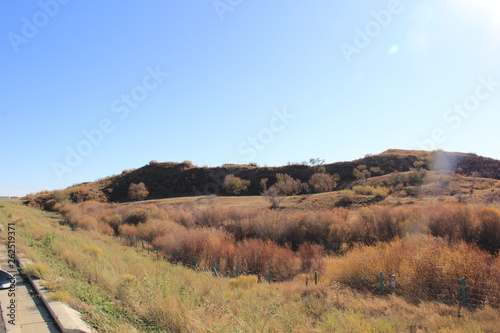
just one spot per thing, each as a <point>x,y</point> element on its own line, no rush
<point>311,257</point>
<point>453,222</point>
<point>183,245</point>
<point>155,228</point>
<point>489,229</point>
<point>257,257</point>
<point>425,268</point>
<point>137,191</point>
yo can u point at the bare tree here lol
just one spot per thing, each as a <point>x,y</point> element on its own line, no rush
<point>322,182</point>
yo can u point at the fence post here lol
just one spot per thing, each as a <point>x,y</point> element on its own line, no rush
<point>464,295</point>
<point>195,262</point>
<point>214,269</point>
<point>157,254</point>
<point>270,276</point>
<point>381,280</point>
<point>149,245</point>
<point>307,281</point>
<point>237,270</point>
<point>315,278</point>
<point>393,282</point>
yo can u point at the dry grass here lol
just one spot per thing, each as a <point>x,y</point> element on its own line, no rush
<point>124,290</point>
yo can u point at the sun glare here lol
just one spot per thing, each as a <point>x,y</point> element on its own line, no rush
<point>489,8</point>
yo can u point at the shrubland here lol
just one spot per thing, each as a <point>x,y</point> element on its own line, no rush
<point>121,289</point>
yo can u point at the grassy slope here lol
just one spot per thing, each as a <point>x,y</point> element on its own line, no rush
<point>121,290</point>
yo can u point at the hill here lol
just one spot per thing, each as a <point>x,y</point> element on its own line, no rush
<point>167,180</point>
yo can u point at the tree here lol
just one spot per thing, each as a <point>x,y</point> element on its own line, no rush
<point>361,172</point>
<point>322,182</point>
<point>284,186</point>
<point>274,195</point>
<point>287,185</point>
<point>376,171</point>
<point>137,191</point>
<point>317,165</point>
<point>235,185</point>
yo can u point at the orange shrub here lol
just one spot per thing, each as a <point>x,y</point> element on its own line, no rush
<point>256,257</point>
<point>425,267</point>
<point>155,228</point>
<point>311,257</point>
<point>453,222</point>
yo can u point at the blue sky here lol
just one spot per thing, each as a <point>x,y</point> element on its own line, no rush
<point>91,88</point>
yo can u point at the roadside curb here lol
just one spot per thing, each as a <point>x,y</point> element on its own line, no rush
<point>69,320</point>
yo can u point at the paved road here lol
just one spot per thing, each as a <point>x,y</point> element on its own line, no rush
<point>30,315</point>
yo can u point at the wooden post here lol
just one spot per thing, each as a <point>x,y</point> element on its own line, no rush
<point>214,269</point>
<point>270,276</point>
<point>316,278</point>
<point>237,270</point>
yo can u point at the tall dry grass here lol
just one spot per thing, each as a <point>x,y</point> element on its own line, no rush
<point>213,235</point>
<point>426,268</point>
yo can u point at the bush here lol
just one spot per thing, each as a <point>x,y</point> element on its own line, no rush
<point>188,164</point>
<point>346,199</point>
<point>453,222</point>
<point>234,185</point>
<point>378,192</point>
<point>137,191</point>
<point>256,257</point>
<point>137,217</point>
<point>83,195</point>
<point>311,257</point>
<point>243,281</point>
<point>361,172</point>
<point>489,230</point>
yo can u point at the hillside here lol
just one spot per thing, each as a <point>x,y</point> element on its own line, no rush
<point>166,180</point>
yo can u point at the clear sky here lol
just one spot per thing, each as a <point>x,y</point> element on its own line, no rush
<point>90,88</point>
